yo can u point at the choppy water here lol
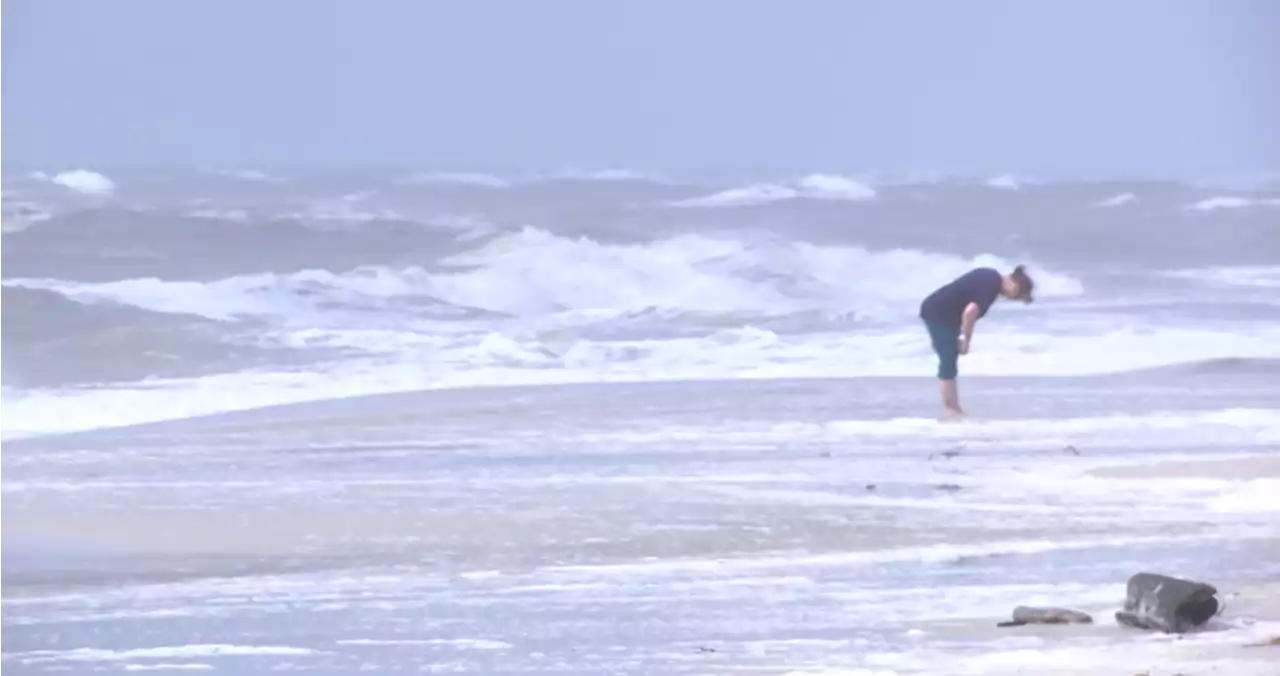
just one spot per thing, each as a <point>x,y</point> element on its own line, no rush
<point>798,508</point>
<point>142,295</point>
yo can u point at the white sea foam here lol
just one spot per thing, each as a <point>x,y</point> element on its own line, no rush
<point>1118,200</point>
<point>251,175</point>
<point>233,215</point>
<point>84,181</point>
<point>1231,202</point>
<point>460,643</point>
<point>169,666</point>
<point>841,671</point>
<point>20,215</point>
<point>1257,495</point>
<point>1194,653</point>
<point>161,652</point>
<point>1180,423</point>
<point>1007,182</point>
<point>1263,276</point>
<point>812,186</point>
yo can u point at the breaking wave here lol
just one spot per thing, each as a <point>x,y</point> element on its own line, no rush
<point>533,273</point>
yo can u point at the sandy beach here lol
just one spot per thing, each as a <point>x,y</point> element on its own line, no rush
<point>702,527</point>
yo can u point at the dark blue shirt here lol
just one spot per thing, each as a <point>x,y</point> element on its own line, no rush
<point>947,304</point>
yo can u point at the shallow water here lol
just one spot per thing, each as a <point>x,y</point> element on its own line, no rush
<point>644,528</point>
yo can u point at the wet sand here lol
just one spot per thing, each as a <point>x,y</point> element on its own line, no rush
<point>1234,469</point>
<point>719,528</point>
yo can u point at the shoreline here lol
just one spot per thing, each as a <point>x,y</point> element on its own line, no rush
<point>923,384</point>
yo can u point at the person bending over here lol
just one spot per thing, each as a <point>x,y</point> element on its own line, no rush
<point>950,312</point>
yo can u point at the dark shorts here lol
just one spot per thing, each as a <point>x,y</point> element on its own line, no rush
<point>946,343</point>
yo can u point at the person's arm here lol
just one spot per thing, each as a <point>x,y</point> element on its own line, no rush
<point>967,320</point>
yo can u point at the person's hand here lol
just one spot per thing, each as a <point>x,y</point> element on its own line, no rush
<point>963,345</point>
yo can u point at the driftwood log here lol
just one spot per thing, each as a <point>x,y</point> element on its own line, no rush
<point>1168,604</point>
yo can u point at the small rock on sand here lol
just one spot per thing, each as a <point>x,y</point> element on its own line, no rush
<point>1031,615</point>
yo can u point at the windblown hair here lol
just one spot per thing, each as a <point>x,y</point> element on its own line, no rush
<point>1025,284</point>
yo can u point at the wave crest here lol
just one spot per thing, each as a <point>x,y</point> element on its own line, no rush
<point>535,273</point>
<point>812,186</point>
<point>83,181</point>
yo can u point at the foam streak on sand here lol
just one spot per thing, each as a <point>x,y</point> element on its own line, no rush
<point>180,651</point>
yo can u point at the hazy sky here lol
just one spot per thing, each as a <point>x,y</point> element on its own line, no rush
<point>1083,86</point>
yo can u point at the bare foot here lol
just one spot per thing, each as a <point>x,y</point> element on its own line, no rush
<point>954,415</point>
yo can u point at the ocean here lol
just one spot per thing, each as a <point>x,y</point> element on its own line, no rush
<point>613,422</point>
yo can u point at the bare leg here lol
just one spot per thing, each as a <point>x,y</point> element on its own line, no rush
<point>951,399</point>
